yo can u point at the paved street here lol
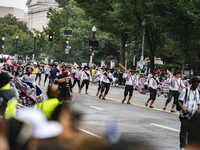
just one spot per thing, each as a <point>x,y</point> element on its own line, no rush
<point>157,127</point>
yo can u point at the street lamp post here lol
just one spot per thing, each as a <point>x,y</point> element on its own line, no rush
<point>144,23</point>
<point>3,38</point>
<point>92,47</point>
<point>34,38</point>
<point>67,14</point>
<point>17,39</point>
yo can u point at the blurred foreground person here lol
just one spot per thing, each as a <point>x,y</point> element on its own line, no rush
<point>48,106</point>
<point>3,135</point>
<point>8,99</point>
<point>194,133</point>
<point>129,144</point>
<point>189,103</point>
<point>74,139</point>
<point>42,129</point>
<point>19,134</point>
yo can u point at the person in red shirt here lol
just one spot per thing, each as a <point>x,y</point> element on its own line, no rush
<point>14,63</point>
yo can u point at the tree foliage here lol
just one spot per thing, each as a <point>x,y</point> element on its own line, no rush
<point>81,26</point>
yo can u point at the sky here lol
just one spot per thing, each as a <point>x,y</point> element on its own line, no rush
<point>15,3</point>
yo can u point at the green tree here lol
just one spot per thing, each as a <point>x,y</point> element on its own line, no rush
<point>11,20</point>
<point>81,26</point>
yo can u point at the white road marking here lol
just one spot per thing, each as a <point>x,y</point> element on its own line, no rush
<point>157,125</point>
<point>90,133</point>
<point>95,107</point>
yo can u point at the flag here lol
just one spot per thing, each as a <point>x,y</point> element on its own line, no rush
<point>8,60</point>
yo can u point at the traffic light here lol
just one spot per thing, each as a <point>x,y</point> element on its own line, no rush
<point>67,42</point>
<point>50,36</point>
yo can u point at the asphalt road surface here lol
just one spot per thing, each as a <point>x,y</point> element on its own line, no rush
<point>159,128</point>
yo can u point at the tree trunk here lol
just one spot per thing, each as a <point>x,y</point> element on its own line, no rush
<point>152,50</point>
<point>124,39</point>
<point>183,62</point>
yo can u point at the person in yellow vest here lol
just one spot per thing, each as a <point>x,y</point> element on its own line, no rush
<point>8,100</point>
<point>34,68</point>
<point>93,74</point>
<point>48,106</point>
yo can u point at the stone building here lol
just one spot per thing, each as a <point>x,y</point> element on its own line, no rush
<point>37,13</point>
<point>18,13</point>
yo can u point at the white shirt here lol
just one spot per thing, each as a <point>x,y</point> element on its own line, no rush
<point>105,79</point>
<point>191,103</point>
<point>85,76</point>
<point>149,77</point>
<point>78,74</point>
<point>153,84</point>
<point>177,86</point>
<point>38,69</point>
<point>47,70</point>
<point>100,73</point>
<point>133,79</point>
<point>124,75</point>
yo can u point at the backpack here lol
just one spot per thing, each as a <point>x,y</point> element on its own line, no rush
<point>178,108</point>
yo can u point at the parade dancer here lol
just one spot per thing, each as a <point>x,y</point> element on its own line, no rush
<point>77,76</point>
<point>5,67</point>
<point>86,78</point>
<point>175,85</point>
<point>38,73</point>
<point>65,87</point>
<point>99,75</point>
<point>20,71</point>
<point>105,81</point>
<point>131,82</point>
<point>53,73</point>
<point>47,72</point>
<point>29,77</point>
<point>153,85</point>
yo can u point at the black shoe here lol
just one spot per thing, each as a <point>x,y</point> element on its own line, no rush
<point>103,98</point>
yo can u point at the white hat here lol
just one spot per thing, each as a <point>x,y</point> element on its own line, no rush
<point>42,128</point>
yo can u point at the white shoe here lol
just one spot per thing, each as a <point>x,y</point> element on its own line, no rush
<point>182,149</point>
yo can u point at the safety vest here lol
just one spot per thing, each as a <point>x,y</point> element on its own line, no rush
<point>34,70</point>
<point>93,72</point>
<point>8,102</point>
<point>48,107</point>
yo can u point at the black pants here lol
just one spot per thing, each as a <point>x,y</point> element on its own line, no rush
<point>99,86</point>
<point>76,80</point>
<point>152,93</point>
<point>105,86</point>
<point>38,75</point>
<point>174,94</point>
<point>183,132</point>
<point>128,88</point>
<point>46,76</point>
<point>85,82</point>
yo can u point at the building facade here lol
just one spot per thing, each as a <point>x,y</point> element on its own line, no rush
<point>37,13</point>
<point>16,12</point>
